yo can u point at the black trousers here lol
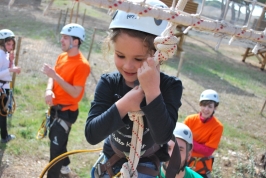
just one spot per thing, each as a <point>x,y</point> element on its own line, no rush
<point>58,142</point>
<point>3,119</point>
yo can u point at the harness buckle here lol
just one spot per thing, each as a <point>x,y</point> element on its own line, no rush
<point>99,171</point>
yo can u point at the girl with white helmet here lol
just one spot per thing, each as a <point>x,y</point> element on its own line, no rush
<point>7,46</point>
<point>207,131</point>
<point>132,38</point>
<point>184,138</point>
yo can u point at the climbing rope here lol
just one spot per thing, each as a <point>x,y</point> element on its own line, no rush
<point>62,156</point>
<point>42,131</point>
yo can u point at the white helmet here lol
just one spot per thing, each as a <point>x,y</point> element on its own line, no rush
<point>75,30</point>
<point>5,33</point>
<point>122,19</point>
<point>209,95</point>
<point>183,131</point>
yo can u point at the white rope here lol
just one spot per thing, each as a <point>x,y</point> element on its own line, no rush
<point>129,168</point>
<point>179,18</point>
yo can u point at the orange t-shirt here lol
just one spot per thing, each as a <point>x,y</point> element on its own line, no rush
<point>74,70</point>
<point>208,133</point>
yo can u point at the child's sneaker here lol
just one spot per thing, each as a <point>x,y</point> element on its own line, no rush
<point>65,170</point>
<point>8,138</point>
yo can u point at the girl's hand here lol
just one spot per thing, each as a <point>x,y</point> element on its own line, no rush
<point>149,78</point>
<point>15,69</point>
<point>130,102</point>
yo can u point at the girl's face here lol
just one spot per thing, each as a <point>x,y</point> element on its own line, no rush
<point>130,53</point>
<point>207,111</point>
<point>9,45</point>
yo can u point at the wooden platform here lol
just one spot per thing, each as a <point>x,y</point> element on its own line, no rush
<point>259,25</point>
<point>261,56</point>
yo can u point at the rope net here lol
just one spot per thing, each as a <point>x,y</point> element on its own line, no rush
<point>179,17</point>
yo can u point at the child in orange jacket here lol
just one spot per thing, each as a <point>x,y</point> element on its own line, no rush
<point>207,132</point>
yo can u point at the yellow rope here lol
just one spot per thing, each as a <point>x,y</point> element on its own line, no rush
<point>64,155</point>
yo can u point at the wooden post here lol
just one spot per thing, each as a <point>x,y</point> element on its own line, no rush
<point>263,107</point>
<point>48,7</point>
<point>16,62</point>
<point>92,41</point>
<point>83,17</point>
<point>71,14</point>
<point>258,25</point>
<point>245,55</point>
<point>65,17</point>
<point>58,23</point>
<point>77,15</point>
<point>11,2</point>
<point>180,63</point>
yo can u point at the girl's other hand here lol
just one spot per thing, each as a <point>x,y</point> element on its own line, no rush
<point>130,102</point>
<point>149,77</point>
<point>15,69</point>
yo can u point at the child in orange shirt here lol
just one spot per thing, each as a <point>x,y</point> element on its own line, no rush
<point>207,132</point>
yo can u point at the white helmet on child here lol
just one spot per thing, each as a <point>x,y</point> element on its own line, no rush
<point>5,33</point>
<point>183,131</point>
<point>209,95</point>
<point>75,30</point>
<point>122,19</point>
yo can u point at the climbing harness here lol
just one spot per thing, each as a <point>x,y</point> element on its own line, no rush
<point>7,101</point>
<point>195,160</point>
<point>48,122</point>
<point>149,153</point>
<point>62,156</point>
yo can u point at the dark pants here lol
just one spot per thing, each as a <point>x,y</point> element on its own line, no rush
<point>58,142</point>
<point>3,119</point>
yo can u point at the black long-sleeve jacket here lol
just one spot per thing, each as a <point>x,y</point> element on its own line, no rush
<point>104,121</point>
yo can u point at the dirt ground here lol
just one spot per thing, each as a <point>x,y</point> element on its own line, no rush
<point>29,167</point>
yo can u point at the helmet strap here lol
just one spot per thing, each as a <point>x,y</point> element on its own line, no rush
<point>71,44</point>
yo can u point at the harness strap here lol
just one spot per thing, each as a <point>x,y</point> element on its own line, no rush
<point>148,171</point>
<point>4,82</point>
<point>203,159</point>
<point>174,165</point>
<point>149,153</point>
<point>65,124</point>
<point>108,165</point>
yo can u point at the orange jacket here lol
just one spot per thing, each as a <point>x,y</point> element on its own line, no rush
<point>208,133</point>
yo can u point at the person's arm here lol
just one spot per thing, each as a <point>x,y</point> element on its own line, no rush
<point>50,84</point>
<point>104,117</point>
<point>74,91</point>
<point>162,112</point>
<point>202,149</point>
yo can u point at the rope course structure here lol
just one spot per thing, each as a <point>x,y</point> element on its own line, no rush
<point>166,46</point>
<point>195,21</point>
